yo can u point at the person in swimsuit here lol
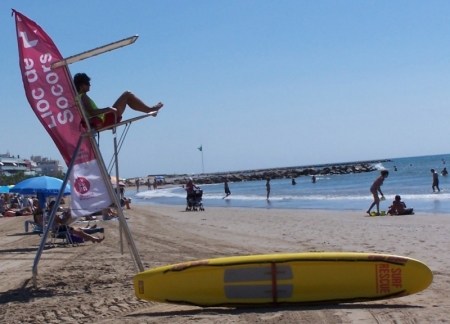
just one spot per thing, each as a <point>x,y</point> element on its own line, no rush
<point>268,188</point>
<point>375,188</point>
<point>226,188</point>
<point>398,207</point>
<point>435,184</point>
<point>62,222</point>
<point>25,211</point>
<point>102,117</point>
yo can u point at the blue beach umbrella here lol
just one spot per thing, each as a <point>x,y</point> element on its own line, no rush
<point>49,186</point>
<point>42,187</point>
<point>4,189</point>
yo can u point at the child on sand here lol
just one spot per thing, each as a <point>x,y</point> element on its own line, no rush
<point>398,207</point>
<point>375,188</point>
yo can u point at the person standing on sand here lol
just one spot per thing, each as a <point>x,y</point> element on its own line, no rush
<point>375,188</point>
<point>268,188</point>
<point>435,184</point>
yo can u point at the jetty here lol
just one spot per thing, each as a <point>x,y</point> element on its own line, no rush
<point>277,173</point>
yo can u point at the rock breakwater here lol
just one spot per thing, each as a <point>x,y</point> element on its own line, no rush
<point>278,173</point>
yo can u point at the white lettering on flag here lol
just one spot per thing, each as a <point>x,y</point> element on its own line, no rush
<point>50,94</point>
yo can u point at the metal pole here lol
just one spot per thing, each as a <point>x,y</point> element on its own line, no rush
<point>116,162</point>
<point>106,178</point>
<point>122,220</point>
<point>203,168</point>
<point>53,213</point>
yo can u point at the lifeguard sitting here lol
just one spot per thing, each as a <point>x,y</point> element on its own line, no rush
<point>103,117</point>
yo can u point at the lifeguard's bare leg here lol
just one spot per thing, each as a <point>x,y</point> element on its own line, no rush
<point>128,98</point>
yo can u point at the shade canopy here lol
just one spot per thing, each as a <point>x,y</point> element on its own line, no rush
<point>121,184</point>
<point>114,179</point>
<point>4,189</point>
<point>48,186</point>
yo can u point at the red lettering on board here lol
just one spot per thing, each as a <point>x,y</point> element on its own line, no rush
<point>387,277</point>
<point>396,278</point>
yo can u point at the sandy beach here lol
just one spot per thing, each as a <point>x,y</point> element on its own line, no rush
<point>92,283</point>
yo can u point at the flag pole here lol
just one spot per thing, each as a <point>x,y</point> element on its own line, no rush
<point>201,150</point>
<point>203,168</point>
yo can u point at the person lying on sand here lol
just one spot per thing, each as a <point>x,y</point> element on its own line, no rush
<point>62,220</point>
<point>110,213</point>
<point>12,212</point>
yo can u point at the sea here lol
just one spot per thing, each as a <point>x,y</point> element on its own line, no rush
<point>409,177</point>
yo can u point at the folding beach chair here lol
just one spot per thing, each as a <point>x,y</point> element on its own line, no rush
<point>61,232</point>
<point>35,227</point>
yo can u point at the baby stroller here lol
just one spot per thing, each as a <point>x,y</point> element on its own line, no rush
<point>194,200</point>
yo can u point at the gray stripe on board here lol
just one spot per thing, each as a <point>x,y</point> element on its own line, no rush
<point>256,274</point>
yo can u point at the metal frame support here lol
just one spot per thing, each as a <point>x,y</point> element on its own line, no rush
<point>91,135</point>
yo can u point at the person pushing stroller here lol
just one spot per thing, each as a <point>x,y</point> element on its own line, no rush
<point>194,196</point>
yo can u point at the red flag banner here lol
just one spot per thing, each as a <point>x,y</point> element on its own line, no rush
<point>52,97</point>
<point>48,91</point>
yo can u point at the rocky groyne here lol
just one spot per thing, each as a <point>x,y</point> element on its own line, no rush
<point>278,173</point>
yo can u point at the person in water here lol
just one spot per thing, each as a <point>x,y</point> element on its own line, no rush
<point>102,117</point>
<point>435,183</point>
<point>375,189</point>
<point>398,207</point>
<point>226,188</point>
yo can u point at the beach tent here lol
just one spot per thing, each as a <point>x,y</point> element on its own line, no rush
<point>121,184</point>
<point>160,180</point>
<point>4,189</point>
<point>114,179</point>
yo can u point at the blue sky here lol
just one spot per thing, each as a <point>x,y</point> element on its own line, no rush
<point>259,84</point>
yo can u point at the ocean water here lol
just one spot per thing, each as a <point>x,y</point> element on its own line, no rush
<point>412,181</point>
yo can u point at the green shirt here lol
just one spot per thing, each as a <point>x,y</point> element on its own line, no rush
<point>94,106</point>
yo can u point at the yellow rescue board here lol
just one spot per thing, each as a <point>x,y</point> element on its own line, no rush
<point>281,279</point>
